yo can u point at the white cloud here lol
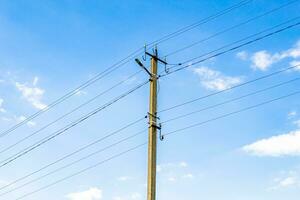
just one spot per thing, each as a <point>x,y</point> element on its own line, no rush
<point>132,196</point>
<point>281,145</point>
<point>293,52</point>
<point>80,92</point>
<point>172,179</point>
<point>183,164</point>
<point>215,80</point>
<point>23,118</point>
<point>2,110</point>
<point>292,114</point>
<point>35,81</point>
<point>136,195</point>
<point>90,194</point>
<point>286,179</point>
<point>297,123</point>
<point>289,181</point>
<point>243,55</point>
<point>188,176</point>
<point>296,64</point>
<point>158,168</point>
<point>33,94</point>
<point>124,178</point>
<point>262,60</point>
<point>171,166</point>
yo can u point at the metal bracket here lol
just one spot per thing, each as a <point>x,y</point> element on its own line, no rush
<point>153,115</point>
<point>145,50</point>
<point>161,136</point>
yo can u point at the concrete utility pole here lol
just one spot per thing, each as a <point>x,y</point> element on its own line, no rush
<point>153,127</point>
<point>152,138</point>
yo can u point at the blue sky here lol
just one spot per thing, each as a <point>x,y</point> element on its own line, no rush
<point>50,47</point>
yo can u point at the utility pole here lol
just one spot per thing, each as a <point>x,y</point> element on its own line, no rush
<point>153,126</point>
<point>152,137</point>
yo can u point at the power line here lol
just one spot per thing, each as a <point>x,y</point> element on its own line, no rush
<point>138,146</point>
<point>69,126</point>
<point>232,113</point>
<point>72,163</point>
<point>232,27</point>
<point>125,139</point>
<point>82,171</point>
<point>200,22</point>
<point>70,112</point>
<point>232,100</point>
<point>233,48</point>
<point>230,88</point>
<point>74,152</point>
<point>120,63</point>
<point>68,95</point>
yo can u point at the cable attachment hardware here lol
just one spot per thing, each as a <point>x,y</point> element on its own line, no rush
<point>161,136</point>
<point>153,115</point>
<point>166,68</point>
<point>145,55</point>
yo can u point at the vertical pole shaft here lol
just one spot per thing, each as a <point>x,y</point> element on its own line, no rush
<point>152,141</point>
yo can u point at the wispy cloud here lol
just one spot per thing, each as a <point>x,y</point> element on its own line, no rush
<point>297,123</point>
<point>90,194</point>
<point>215,80</point>
<point>32,94</point>
<point>125,178</point>
<point>263,60</point>
<point>2,110</point>
<point>287,179</point>
<point>243,55</point>
<point>23,118</point>
<point>132,196</point>
<point>188,176</point>
<point>292,114</point>
<point>281,145</point>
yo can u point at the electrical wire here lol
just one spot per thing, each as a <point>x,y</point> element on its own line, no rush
<point>69,126</point>
<point>233,48</point>
<point>82,171</point>
<point>232,100</point>
<point>166,121</point>
<point>68,95</point>
<point>200,22</point>
<point>232,28</point>
<point>232,113</point>
<point>121,63</point>
<point>231,88</point>
<point>70,112</point>
<point>72,163</point>
<point>143,144</point>
<point>73,153</point>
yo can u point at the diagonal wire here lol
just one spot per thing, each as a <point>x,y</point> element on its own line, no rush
<point>69,126</point>
<point>82,171</point>
<point>230,88</point>
<point>72,163</point>
<point>73,153</point>
<point>233,27</point>
<point>122,62</point>
<point>68,95</point>
<point>232,113</point>
<point>232,100</point>
<point>233,48</point>
<point>200,22</point>
<point>70,112</point>
<point>143,144</point>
